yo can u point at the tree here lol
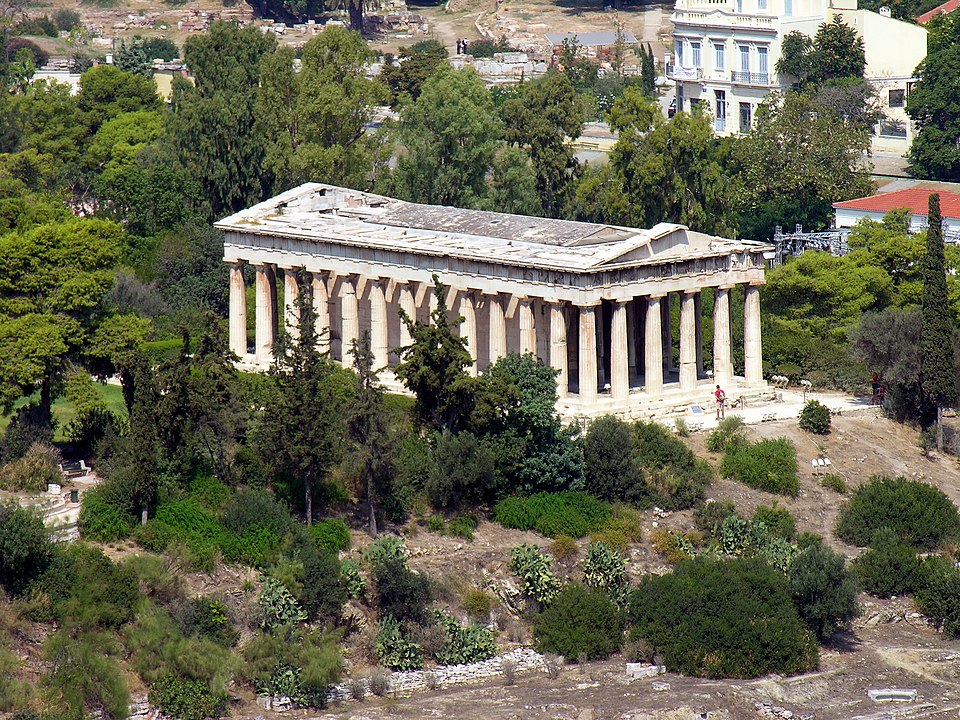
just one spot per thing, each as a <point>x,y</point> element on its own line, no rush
<point>433,367</point>
<point>133,58</point>
<point>938,371</point>
<point>367,428</point>
<point>448,136</point>
<point>799,158</point>
<point>835,52</point>
<point>796,56</point>
<point>209,127</point>
<point>25,548</point>
<point>659,171</point>
<point>142,442</point>
<point>823,590</point>
<point>513,185</point>
<point>20,71</point>
<point>579,621</point>
<point>413,68</point>
<point>106,91</point>
<point>648,70</point>
<point>612,470</point>
<point>302,433</point>
<point>934,108</point>
<point>316,117</point>
<point>157,47</point>
<point>546,115</point>
<point>463,473</point>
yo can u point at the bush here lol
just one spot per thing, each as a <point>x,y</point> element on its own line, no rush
<point>920,515</point>
<point>24,429</point>
<point>302,662</point>
<point>32,472</point>
<point>25,548</point>
<point>206,617</point>
<point>889,567</point>
<point>464,644</point>
<point>778,520</point>
<point>533,569</point>
<point>385,547</point>
<point>823,590</point>
<point>478,603</point>
<point>553,514</point>
<point>66,19</point>
<point>103,521</point>
<point>835,482</point>
<point>675,476</point>
<point>331,535</point>
<point>564,547</point>
<point>580,621</point>
<point>727,618</point>
<point>40,56</point>
<point>393,650</point>
<point>815,418</point>
<point>84,676</point>
<point>250,508</point>
<point>324,593</point>
<point>768,465</point>
<point>709,516</point>
<point>728,431</point>
<point>612,470</point>
<point>352,579</point>
<point>463,472</point>
<point>674,546</point>
<point>186,699</point>
<point>277,606</point>
<point>400,592</point>
<point>463,526</point>
<point>939,598</point>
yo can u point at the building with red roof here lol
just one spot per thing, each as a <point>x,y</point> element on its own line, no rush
<point>948,7</point>
<point>914,199</point>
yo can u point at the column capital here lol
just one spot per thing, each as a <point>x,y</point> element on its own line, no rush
<point>691,291</point>
<point>757,283</point>
<point>589,304</point>
<point>236,262</point>
<point>655,296</point>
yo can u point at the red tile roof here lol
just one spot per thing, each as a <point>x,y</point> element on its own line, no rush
<point>915,199</point>
<point>948,7</point>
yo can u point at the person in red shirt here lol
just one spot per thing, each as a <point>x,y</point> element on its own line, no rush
<point>721,398</point>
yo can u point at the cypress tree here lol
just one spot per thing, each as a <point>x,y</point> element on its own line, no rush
<point>938,371</point>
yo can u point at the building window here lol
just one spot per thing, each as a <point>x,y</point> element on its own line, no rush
<point>719,56</point>
<point>761,4</point>
<point>788,7</point>
<point>678,52</point>
<point>763,66</point>
<point>897,98</point>
<point>695,52</point>
<point>745,113</point>
<point>745,58</point>
<point>720,117</point>
<point>893,128</point>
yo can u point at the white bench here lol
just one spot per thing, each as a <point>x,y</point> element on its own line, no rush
<point>821,466</point>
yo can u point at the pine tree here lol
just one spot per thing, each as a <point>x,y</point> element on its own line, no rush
<point>938,370</point>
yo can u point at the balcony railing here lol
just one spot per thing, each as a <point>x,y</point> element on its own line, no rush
<point>719,124</point>
<point>750,78</point>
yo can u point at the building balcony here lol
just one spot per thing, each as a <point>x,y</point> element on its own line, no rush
<point>719,18</point>
<point>677,72</point>
<point>740,77</point>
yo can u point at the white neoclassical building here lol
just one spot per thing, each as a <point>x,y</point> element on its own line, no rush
<point>591,300</point>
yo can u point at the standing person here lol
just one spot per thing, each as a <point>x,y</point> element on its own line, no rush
<point>875,384</point>
<point>721,398</point>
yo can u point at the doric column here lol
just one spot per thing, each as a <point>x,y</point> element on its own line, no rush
<point>752,358</point>
<point>722,364</point>
<point>321,310</point>
<point>666,329</point>
<point>653,346</point>
<point>468,330</point>
<point>266,312</point>
<point>632,338</point>
<point>408,304</point>
<point>619,353</point>
<point>291,312</point>
<point>698,318</point>
<point>688,342</point>
<point>528,330</point>
<point>588,354</point>
<point>379,341</point>
<point>238,310</point>
<point>558,348</point>
<point>350,319</point>
<point>498,328</point>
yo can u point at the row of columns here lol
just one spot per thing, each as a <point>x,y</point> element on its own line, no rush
<point>657,355</point>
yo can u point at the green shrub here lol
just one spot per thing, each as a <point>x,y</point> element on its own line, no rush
<point>463,473</point>
<point>84,676</point>
<point>823,590</point>
<point>939,596</point>
<point>87,590</point>
<point>612,470</point>
<point>206,617</point>
<point>393,650</point>
<point>156,578</point>
<point>815,418</point>
<point>385,547</point>
<point>769,465</point>
<point>727,618</point>
<point>252,507</point>
<point>728,431</point>
<point>835,482</point>
<point>920,514</point>
<point>155,536</point>
<point>304,662</point>
<point>464,644</point>
<point>32,472</point>
<point>564,547</point>
<point>709,516</point>
<point>674,546</point>
<point>778,520</point>
<point>553,514</point>
<point>889,567</point>
<point>676,478</point>
<point>323,594</point>
<point>277,606</point>
<point>212,494</point>
<point>606,570</point>
<point>533,569</point>
<point>623,528</point>
<point>463,526</point>
<point>102,521</point>
<point>436,524</point>
<point>401,592</point>
<point>478,603</point>
<point>580,622</point>
<point>331,535</point>
<point>25,548</point>
<point>186,699</point>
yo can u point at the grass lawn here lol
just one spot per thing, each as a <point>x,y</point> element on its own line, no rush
<point>64,410</point>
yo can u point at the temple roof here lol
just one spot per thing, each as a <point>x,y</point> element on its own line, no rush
<point>333,214</point>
